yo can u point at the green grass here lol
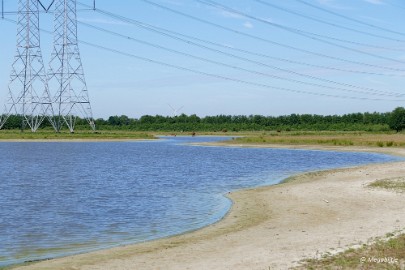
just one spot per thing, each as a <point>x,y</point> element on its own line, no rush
<point>78,135</point>
<point>397,184</point>
<point>383,254</point>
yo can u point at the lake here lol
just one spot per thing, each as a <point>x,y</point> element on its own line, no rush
<point>62,198</point>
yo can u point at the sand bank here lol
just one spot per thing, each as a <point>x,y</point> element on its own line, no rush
<point>271,227</point>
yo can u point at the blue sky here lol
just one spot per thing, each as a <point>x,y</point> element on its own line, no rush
<point>120,84</point>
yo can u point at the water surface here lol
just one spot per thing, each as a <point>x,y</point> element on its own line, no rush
<point>61,198</point>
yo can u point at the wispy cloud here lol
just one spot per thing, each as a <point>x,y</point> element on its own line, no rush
<point>235,16</point>
<point>173,2</point>
<point>325,2</point>
<point>333,4</point>
<point>227,14</point>
<point>248,25</point>
<point>375,2</point>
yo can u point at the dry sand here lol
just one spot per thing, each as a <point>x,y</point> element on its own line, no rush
<point>271,227</point>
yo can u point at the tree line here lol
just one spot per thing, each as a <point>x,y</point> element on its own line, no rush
<point>376,121</point>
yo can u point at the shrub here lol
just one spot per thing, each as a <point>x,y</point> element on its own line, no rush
<point>397,119</point>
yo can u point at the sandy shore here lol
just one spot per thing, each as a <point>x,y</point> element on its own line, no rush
<point>271,227</point>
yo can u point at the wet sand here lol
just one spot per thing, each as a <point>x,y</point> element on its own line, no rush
<point>271,227</point>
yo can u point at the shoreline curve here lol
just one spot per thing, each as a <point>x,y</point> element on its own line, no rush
<point>270,227</point>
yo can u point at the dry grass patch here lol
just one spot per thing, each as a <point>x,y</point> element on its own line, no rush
<point>383,254</point>
<point>326,138</point>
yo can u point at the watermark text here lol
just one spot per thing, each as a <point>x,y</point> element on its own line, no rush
<point>382,260</point>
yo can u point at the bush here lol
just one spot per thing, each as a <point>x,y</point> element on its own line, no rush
<point>397,119</point>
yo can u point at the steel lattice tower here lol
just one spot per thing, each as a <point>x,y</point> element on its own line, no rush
<point>28,94</point>
<point>66,77</point>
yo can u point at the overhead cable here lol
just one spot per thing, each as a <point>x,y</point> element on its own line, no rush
<point>257,37</point>
<point>370,91</point>
<point>313,36</point>
<point>159,30</point>
<point>351,19</point>
<point>266,86</point>
<point>325,21</point>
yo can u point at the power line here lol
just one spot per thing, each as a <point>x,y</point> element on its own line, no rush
<point>379,92</point>
<point>351,19</point>
<point>254,37</point>
<point>145,59</point>
<point>145,26</point>
<point>149,60</point>
<point>368,90</point>
<point>268,56</point>
<point>309,35</point>
<point>163,31</point>
<point>324,21</point>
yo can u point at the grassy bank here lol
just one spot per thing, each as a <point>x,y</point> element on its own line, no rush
<point>323,138</point>
<point>329,138</point>
<point>11,135</point>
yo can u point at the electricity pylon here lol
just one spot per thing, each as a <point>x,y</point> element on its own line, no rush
<point>175,111</point>
<point>66,77</point>
<point>28,95</point>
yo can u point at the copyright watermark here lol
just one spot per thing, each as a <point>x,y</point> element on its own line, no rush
<point>382,260</point>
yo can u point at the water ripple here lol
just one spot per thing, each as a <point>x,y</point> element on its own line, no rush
<point>64,198</point>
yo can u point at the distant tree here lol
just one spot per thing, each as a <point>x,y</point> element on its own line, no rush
<point>294,119</point>
<point>123,120</point>
<point>397,119</point>
<point>13,122</point>
<point>101,122</point>
<point>147,119</point>
<point>113,120</point>
<point>259,120</point>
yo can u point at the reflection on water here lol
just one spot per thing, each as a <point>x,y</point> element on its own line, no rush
<point>64,198</point>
